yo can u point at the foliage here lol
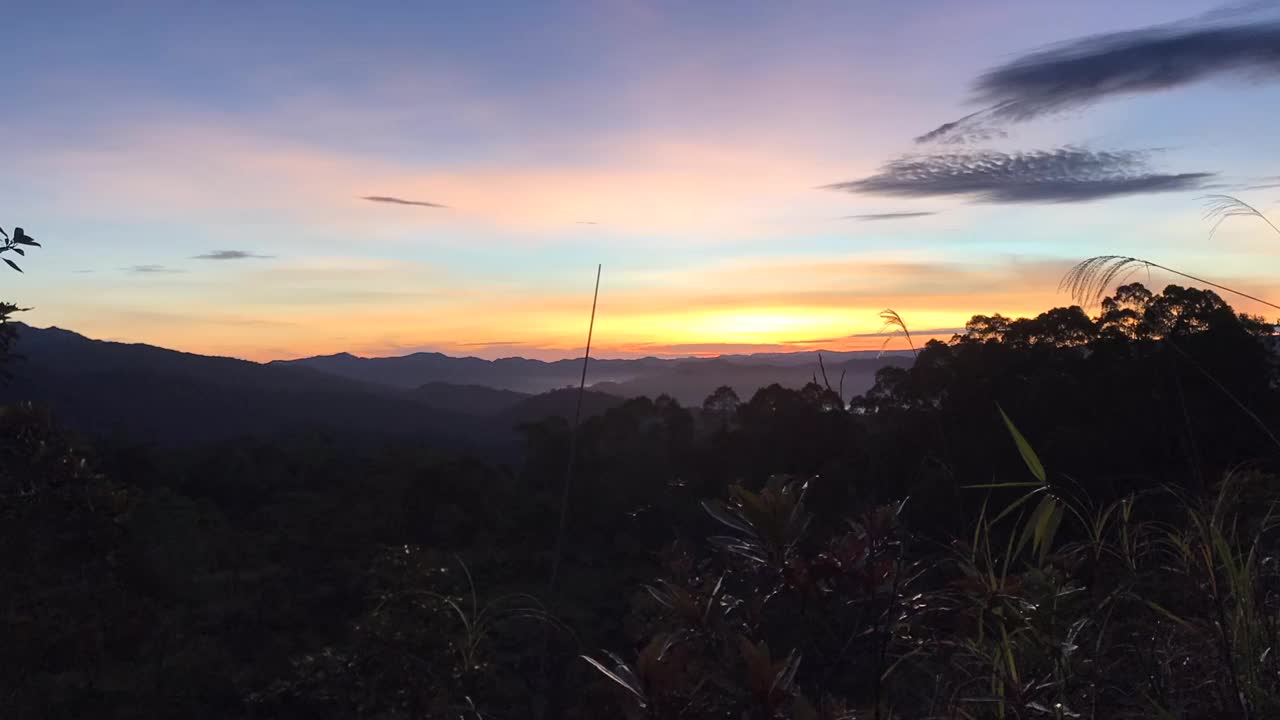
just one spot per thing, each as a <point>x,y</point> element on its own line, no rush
<point>15,244</point>
<point>1050,517</point>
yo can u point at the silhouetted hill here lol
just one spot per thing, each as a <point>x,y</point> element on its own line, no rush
<point>153,394</point>
<point>468,399</point>
<point>689,380</point>
<point>149,393</point>
<point>518,374</point>
<point>557,403</point>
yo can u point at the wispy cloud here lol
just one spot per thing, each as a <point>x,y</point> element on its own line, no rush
<point>152,269</point>
<point>400,201</point>
<point>921,333</point>
<point>586,222</point>
<point>872,217</point>
<point>1060,175</point>
<point>493,343</point>
<point>1265,183</point>
<point>972,128</point>
<point>1090,69</point>
<point>230,255</point>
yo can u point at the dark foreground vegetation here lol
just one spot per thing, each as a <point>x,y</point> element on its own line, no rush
<point>1059,517</point>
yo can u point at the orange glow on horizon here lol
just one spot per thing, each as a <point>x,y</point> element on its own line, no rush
<point>378,308</point>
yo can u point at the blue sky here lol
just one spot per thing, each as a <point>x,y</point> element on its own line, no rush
<point>686,146</point>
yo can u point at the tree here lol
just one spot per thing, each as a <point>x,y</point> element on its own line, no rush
<point>8,333</point>
<point>721,405</point>
<point>1122,313</point>
<point>14,244</point>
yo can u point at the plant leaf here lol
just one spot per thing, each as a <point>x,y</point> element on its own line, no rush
<point>1160,609</point>
<point>624,682</point>
<point>12,264</point>
<point>1033,529</point>
<point>727,517</point>
<point>1016,504</point>
<point>1024,448</point>
<point>786,674</point>
<point>1049,529</point>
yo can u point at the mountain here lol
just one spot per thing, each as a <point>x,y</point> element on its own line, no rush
<point>506,409</point>
<point>517,374</point>
<point>557,403</point>
<point>149,393</point>
<point>146,393</point>
<point>152,394</point>
<point>689,380</point>
<point>477,400</point>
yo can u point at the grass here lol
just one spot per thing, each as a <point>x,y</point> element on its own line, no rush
<point>1091,278</point>
<point>1056,605</point>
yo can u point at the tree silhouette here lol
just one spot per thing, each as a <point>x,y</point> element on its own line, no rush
<point>8,333</point>
<point>721,405</point>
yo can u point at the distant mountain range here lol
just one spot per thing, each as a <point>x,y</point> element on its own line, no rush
<point>142,392</point>
<point>689,380</point>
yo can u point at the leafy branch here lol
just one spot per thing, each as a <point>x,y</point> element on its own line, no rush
<point>15,244</point>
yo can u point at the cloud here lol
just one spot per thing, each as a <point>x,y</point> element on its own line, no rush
<point>971,128</point>
<point>917,333</point>
<point>1061,175</point>
<point>400,201</point>
<point>872,217</point>
<point>1264,183</point>
<point>230,255</point>
<point>1090,69</point>
<point>586,222</point>
<point>493,343</point>
<point>151,269</point>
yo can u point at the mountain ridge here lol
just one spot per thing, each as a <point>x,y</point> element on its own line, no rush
<point>172,396</point>
<point>639,376</point>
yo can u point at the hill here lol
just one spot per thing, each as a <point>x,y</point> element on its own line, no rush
<point>150,393</point>
<point>689,380</point>
<point>153,394</point>
<point>477,400</point>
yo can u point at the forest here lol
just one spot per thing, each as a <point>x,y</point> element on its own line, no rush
<point>1064,516</point>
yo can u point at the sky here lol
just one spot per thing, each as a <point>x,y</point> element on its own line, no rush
<point>277,180</point>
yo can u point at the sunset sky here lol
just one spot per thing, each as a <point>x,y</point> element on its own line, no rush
<point>748,173</point>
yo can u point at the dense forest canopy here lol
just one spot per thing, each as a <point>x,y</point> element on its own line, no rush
<point>1059,516</point>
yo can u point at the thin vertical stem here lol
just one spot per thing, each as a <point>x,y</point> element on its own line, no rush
<point>573,444</point>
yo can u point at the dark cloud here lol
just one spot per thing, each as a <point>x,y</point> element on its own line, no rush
<point>400,201</point>
<point>972,128</point>
<point>231,255</point>
<point>872,217</point>
<point>152,269</point>
<point>1083,71</point>
<point>1061,175</point>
